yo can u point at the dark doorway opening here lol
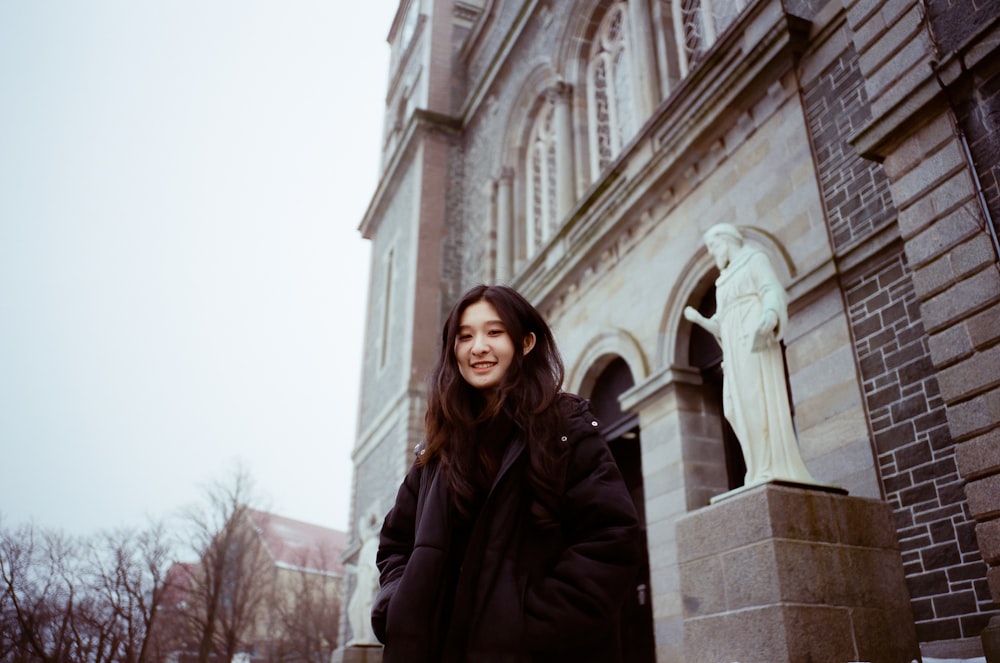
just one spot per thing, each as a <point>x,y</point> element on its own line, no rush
<point>705,354</point>
<point>622,433</point>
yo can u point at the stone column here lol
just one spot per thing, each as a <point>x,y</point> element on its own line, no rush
<point>665,50</point>
<point>669,412</point>
<point>679,38</point>
<point>561,94</point>
<point>505,225</point>
<point>643,57</point>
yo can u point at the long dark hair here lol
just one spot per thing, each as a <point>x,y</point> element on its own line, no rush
<point>526,396</point>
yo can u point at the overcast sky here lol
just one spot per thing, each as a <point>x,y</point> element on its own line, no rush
<point>182,282</point>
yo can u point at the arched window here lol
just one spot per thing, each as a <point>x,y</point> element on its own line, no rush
<point>540,180</point>
<point>697,24</point>
<point>610,89</point>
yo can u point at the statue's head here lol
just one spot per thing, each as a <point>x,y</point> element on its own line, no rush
<point>725,231</point>
<point>723,240</point>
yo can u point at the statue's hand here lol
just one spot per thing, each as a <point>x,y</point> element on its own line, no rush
<point>711,325</point>
<point>765,334</point>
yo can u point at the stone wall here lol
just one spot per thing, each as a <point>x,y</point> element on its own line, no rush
<point>386,374</point>
<point>909,64</point>
<point>829,137</point>
<point>912,442</point>
<point>916,456</point>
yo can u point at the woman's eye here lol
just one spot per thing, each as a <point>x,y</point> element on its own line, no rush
<point>495,332</point>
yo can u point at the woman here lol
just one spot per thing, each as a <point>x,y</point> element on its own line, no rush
<point>513,537</point>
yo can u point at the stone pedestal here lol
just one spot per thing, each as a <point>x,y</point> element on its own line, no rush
<point>991,640</point>
<point>357,654</point>
<point>781,573</point>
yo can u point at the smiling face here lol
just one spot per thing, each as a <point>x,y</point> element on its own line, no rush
<point>484,349</point>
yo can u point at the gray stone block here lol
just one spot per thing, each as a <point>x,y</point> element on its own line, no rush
<point>991,641</point>
<point>857,521</point>
<point>732,525</point>
<point>801,515</point>
<point>358,654</point>
<point>751,576</point>
<point>817,633</point>
<point>980,455</point>
<point>984,496</point>
<point>703,587</point>
<point>782,573</point>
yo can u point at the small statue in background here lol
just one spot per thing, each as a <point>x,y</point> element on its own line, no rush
<point>750,319</point>
<point>359,607</point>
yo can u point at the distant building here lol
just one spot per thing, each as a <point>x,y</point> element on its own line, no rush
<point>578,150</point>
<point>282,577</point>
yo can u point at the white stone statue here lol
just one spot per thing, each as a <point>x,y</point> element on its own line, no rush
<point>359,608</point>
<point>750,319</point>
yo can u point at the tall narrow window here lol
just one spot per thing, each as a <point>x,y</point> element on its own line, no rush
<point>386,308</point>
<point>540,180</point>
<point>610,90</point>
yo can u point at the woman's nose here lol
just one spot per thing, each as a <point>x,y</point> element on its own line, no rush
<point>479,344</point>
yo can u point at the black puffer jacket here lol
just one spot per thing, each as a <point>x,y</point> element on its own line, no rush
<point>522,595</point>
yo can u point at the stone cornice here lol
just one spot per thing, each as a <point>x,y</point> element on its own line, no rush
<point>422,123</point>
<point>636,398</point>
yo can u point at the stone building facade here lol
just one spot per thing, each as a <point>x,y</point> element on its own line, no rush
<point>578,151</point>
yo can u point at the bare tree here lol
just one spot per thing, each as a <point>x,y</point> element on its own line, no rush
<point>232,580</point>
<point>72,599</point>
<point>306,612</point>
<point>40,594</point>
<point>128,569</point>
<point>111,597</point>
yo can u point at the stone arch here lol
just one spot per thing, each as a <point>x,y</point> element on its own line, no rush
<point>781,259</point>
<point>603,374</point>
<point>572,60</point>
<point>511,157</point>
<point>576,35</point>
<point>540,78</point>
<point>602,350</point>
<point>698,278</point>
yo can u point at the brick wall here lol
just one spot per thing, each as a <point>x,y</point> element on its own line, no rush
<point>941,221</point>
<point>916,456</point>
<point>955,21</point>
<point>915,453</point>
<point>856,191</point>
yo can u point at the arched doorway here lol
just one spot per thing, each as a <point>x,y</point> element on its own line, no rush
<point>621,429</point>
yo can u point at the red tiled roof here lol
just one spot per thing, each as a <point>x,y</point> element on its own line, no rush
<point>178,583</point>
<point>300,545</point>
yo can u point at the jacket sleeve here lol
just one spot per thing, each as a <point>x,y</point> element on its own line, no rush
<point>596,570</point>
<point>395,547</point>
